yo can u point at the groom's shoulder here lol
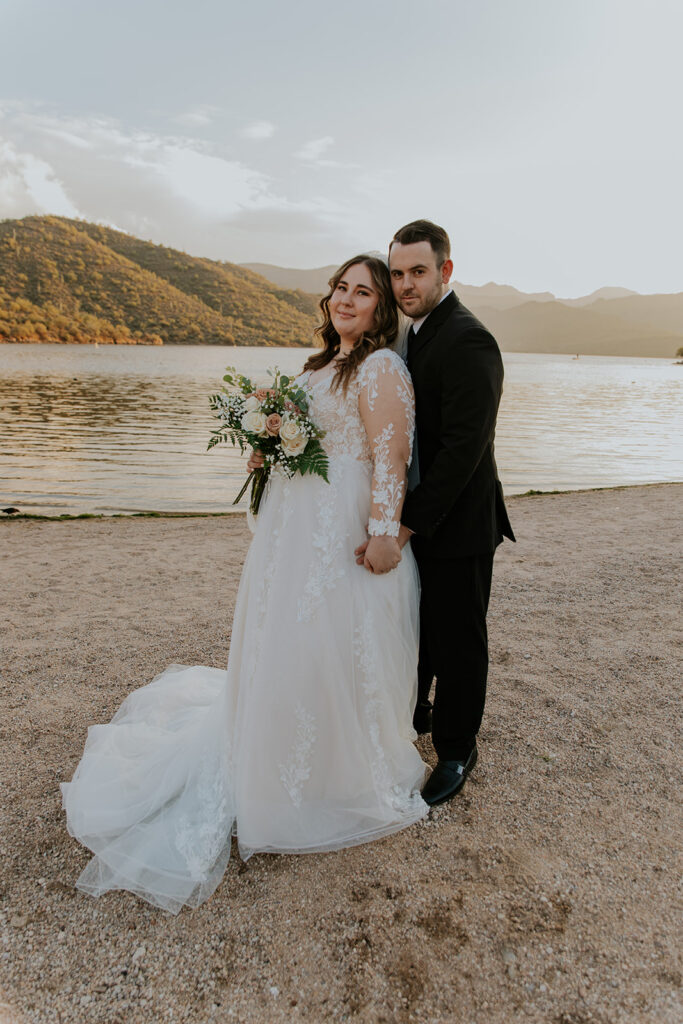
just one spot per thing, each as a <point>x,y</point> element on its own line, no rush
<point>464,319</point>
<point>462,325</point>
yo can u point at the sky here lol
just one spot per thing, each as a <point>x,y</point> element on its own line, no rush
<point>543,135</point>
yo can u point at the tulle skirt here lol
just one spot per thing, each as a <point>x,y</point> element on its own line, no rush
<point>305,743</point>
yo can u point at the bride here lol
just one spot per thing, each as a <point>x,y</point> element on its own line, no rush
<point>305,742</point>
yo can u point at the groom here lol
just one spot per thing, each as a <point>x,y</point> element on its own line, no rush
<point>455,515</point>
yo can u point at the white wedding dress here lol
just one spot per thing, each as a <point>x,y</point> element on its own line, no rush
<point>305,742</point>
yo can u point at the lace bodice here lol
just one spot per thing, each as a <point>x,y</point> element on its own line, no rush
<point>374,423</point>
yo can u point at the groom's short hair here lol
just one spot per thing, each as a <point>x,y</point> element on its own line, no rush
<point>425,231</point>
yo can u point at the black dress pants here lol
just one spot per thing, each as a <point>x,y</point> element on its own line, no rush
<point>454,648</point>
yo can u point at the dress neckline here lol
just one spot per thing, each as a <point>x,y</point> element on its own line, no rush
<point>320,380</point>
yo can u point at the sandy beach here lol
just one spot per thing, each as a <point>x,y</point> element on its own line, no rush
<point>547,892</point>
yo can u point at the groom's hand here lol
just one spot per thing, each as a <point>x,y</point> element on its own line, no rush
<point>255,461</point>
<point>382,554</point>
<point>360,552</point>
<point>404,535</point>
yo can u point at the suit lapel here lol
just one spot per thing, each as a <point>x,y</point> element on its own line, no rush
<point>432,324</point>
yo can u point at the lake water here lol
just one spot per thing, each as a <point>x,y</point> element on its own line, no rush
<point>124,429</point>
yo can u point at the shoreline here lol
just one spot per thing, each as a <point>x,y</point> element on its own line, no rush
<point>152,514</point>
<point>310,345</point>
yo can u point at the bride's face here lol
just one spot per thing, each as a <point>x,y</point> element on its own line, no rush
<point>353,303</point>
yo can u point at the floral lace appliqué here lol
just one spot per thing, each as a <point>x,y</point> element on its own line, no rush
<point>327,565</point>
<point>387,489</point>
<point>337,413</point>
<point>388,412</point>
<point>294,774</point>
<point>265,583</point>
<point>388,362</point>
<point>365,651</point>
<point>201,836</point>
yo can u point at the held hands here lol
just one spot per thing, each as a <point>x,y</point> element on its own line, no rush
<point>379,554</point>
<point>361,552</point>
<point>382,554</point>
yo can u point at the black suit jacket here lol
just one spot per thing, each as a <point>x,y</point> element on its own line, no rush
<point>457,509</point>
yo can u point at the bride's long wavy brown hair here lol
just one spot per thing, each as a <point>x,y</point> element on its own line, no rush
<point>382,333</point>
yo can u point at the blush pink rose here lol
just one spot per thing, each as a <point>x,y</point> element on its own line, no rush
<point>273,424</point>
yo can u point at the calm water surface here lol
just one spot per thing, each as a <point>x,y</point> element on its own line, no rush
<point>124,429</point>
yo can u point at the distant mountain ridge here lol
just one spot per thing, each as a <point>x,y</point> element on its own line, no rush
<point>600,293</point>
<point>609,321</point>
<point>554,328</point>
<point>497,296</point>
<point>312,281</point>
<point>71,281</point>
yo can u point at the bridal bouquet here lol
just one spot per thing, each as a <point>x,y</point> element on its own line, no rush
<point>275,421</point>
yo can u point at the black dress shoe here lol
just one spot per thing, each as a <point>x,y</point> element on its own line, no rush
<point>422,719</point>
<point>447,779</point>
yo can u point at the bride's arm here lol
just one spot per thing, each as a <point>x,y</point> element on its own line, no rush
<point>387,409</point>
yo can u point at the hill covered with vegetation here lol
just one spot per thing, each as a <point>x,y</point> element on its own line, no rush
<point>67,280</point>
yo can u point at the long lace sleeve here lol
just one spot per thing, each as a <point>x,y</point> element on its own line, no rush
<point>387,408</point>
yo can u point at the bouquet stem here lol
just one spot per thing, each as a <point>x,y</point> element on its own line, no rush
<point>258,479</point>
<point>257,488</point>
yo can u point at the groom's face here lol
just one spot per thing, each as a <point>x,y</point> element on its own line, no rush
<point>418,282</point>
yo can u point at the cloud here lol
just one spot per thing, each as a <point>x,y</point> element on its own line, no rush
<point>73,140</point>
<point>30,185</point>
<point>169,188</point>
<point>198,117</point>
<point>258,130</point>
<point>108,168</point>
<point>211,185</point>
<point>294,237</point>
<point>311,152</point>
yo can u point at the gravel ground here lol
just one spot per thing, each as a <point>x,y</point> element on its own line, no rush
<point>546,892</point>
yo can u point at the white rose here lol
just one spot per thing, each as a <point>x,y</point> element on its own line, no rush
<point>252,404</point>
<point>296,446</point>
<point>255,423</point>
<point>293,439</point>
<point>290,428</point>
